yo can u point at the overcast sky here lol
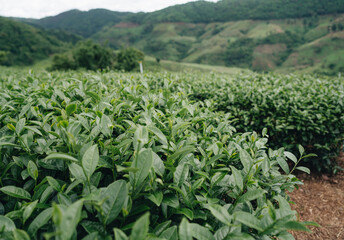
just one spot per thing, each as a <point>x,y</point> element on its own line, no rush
<point>44,8</point>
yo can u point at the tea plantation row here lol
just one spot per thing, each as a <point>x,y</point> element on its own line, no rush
<point>119,156</point>
<point>296,110</point>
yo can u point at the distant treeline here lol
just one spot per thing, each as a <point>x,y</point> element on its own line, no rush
<point>232,10</point>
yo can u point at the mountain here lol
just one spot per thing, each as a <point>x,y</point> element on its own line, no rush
<point>263,35</point>
<point>23,44</point>
<point>81,22</point>
<point>234,10</point>
<point>312,43</point>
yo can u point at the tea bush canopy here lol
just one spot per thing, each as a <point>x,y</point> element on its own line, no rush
<point>88,155</point>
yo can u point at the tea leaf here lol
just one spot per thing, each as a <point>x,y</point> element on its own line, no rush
<point>90,160</point>
<point>156,198</point>
<point>40,221</point>
<point>283,164</point>
<point>20,126</point>
<point>77,172</point>
<point>71,108</point>
<point>140,228</point>
<point>290,156</point>
<point>69,221</point>
<point>251,195</point>
<point>115,195</point>
<point>29,210</point>
<point>119,234</point>
<point>54,184</point>
<point>304,169</point>
<point>185,232</point>
<point>143,162</point>
<point>16,192</point>
<point>220,213</point>
<point>245,159</point>
<point>158,133</point>
<point>105,125</point>
<point>170,233</point>
<point>6,224</point>
<point>140,137</point>
<point>20,235</point>
<point>181,174</point>
<point>62,156</point>
<point>32,170</point>
<point>238,178</point>
<point>200,232</point>
<point>248,219</point>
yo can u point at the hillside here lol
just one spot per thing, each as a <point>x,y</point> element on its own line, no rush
<point>233,10</point>
<point>263,35</point>
<point>22,44</point>
<point>84,23</point>
<point>306,43</point>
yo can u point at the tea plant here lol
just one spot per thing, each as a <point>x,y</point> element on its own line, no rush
<point>296,110</point>
<point>117,156</point>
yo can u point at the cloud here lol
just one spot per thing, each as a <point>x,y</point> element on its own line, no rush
<point>43,8</point>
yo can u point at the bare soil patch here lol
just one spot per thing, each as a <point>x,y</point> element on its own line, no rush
<point>126,25</point>
<point>321,199</point>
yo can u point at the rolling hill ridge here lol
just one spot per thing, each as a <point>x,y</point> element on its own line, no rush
<point>262,35</point>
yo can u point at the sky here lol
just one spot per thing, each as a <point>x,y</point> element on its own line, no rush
<point>44,8</point>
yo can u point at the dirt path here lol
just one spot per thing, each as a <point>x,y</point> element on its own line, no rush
<point>321,199</point>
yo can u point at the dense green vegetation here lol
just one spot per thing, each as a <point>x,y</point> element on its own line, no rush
<point>92,56</point>
<point>295,109</point>
<point>21,44</point>
<point>103,155</point>
<point>128,59</point>
<point>234,10</point>
<point>307,44</point>
<point>263,35</point>
<point>86,55</point>
<point>79,22</point>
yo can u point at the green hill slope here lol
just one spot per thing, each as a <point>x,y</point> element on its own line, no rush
<point>22,44</point>
<point>263,35</point>
<point>84,23</point>
<point>233,10</point>
<point>257,44</point>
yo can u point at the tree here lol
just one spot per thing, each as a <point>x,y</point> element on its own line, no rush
<point>93,56</point>
<point>63,62</point>
<point>128,59</point>
<point>88,55</point>
<point>3,57</point>
<point>334,27</point>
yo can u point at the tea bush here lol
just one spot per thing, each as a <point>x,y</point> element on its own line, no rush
<point>304,110</point>
<point>103,156</point>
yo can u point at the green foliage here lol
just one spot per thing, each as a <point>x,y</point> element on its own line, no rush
<point>93,56</point>
<point>233,10</point>
<point>81,23</point>
<point>87,55</point>
<point>22,44</point>
<point>93,156</point>
<point>63,62</point>
<point>302,110</point>
<point>240,53</point>
<point>128,59</point>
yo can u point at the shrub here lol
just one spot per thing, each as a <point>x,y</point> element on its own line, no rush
<point>93,56</point>
<point>128,59</point>
<point>302,110</point>
<point>63,62</point>
<point>85,159</point>
<point>87,55</point>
